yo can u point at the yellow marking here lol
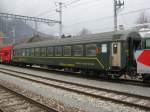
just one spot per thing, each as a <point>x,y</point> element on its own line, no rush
<point>68,65</point>
<point>100,63</point>
<point>56,57</point>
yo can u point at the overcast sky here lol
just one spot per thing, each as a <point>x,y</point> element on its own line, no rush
<point>95,15</point>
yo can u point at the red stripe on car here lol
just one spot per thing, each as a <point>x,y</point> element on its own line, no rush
<point>144,58</point>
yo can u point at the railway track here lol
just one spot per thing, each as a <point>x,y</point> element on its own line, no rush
<point>139,83</point>
<point>11,101</point>
<point>94,77</point>
<point>105,94</point>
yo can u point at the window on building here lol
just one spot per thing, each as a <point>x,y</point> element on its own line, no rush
<point>58,51</point>
<point>37,51</point>
<point>67,50</point>
<point>43,51</point>
<point>78,50</point>
<point>91,50</point>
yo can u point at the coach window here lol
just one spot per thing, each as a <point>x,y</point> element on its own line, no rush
<point>37,51</point>
<point>78,50</point>
<point>23,52</point>
<point>31,52</point>
<point>104,48</point>
<point>17,52</point>
<point>67,50</point>
<point>20,52</point>
<point>91,50</point>
<point>43,51</point>
<point>115,48</point>
<point>14,52</point>
<point>27,52</point>
<point>147,43</point>
<point>58,51</point>
<point>50,51</point>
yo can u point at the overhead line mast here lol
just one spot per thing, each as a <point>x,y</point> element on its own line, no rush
<point>61,5</point>
<point>117,5</point>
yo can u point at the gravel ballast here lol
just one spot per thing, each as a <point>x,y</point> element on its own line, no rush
<point>69,99</point>
<point>37,97</point>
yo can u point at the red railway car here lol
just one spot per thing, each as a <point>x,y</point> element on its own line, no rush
<point>5,54</point>
<point>143,59</point>
<point>0,55</point>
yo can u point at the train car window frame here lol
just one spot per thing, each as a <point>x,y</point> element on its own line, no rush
<point>37,51</point>
<point>67,50</point>
<point>77,50</point>
<point>58,51</point>
<point>50,51</point>
<point>43,51</point>
<point>91,50</point>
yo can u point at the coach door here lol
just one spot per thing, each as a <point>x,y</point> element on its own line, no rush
<point>116,54</point>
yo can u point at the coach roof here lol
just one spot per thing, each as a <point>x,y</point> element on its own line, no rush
<point>100,37</point>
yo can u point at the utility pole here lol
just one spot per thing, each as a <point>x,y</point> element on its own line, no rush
<point>36,28</point>
<point>60,4</point>
<point>117,5</point>
<point>14,35</point>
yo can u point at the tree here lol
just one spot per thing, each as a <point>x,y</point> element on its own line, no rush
<point>84,31</point>
<point>143,18</point>
<point>34,38</point>
<point>142,21</point>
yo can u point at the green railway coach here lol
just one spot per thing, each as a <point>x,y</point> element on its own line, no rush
<point>105,52</point>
